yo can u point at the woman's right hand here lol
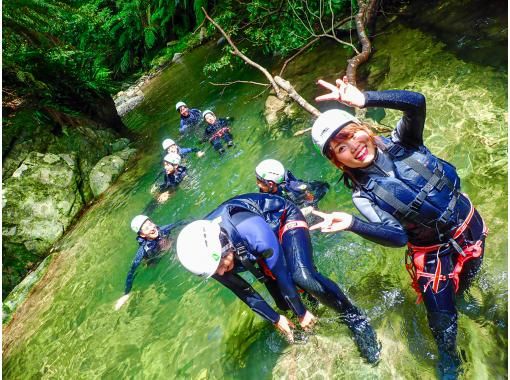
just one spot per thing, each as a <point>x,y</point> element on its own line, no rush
<point>343,92</point>
<point>285,326</point>
<point>334,222</point>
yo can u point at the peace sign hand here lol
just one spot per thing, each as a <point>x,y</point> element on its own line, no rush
<point>343,92</point>
<point>336,221</point>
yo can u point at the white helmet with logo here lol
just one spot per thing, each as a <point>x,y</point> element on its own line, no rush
<point>207,112</point>
<point>173,158</point>
<point>199,247</point>
<point>328,124</point>
<point>138,222</point>
<point>270,170</point>
<point>167,143</point>
<point>179,105</point>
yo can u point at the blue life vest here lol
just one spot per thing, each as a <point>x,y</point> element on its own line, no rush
<point>423,190</point>
<point>272,208</point>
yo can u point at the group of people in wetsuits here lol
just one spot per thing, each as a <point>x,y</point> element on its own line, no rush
<point>217,131</point>
<point>405,194</point>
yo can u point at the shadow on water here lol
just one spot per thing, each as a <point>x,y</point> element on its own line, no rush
<point>178,326</point>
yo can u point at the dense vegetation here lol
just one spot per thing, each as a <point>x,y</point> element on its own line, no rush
<point>58,52</point>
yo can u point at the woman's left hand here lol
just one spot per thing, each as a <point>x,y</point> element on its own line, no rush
<point>336,221</point>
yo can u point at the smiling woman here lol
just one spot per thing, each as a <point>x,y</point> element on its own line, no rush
<point>407,195</point>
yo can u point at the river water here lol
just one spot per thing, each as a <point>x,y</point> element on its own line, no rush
<point>178,326</point>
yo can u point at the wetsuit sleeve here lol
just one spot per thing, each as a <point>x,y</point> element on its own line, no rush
<point>248,295</point>
<point>131,274</point>
<point>167,228</point>
<point>180,175</point>
<point>186,151</point>
<point>262,243</point>
<point>183,126</point>
<point>165,184</point>
<point>381,228</point>
<point>409,130</point>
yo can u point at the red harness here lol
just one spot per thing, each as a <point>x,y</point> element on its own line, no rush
<point>219,133</point>
<point>415,259</point>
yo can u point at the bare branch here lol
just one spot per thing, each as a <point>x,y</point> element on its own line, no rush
<point>198,27</point>
<point>240,81</point>
<point>245,58</point>
<point>299,52</point>
<point>296,97</point>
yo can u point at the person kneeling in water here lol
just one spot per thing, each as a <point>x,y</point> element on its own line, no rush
<point>268,236</point>
<point>173,174</point>
<point>217,130</point>
<point>153,241</point>
<point>273,178</point>
<point>169,146</point>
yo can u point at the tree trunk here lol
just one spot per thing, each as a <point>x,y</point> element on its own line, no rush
<point>363,18</point>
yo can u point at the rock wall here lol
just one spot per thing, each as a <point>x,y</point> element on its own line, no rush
<point>47,181</point>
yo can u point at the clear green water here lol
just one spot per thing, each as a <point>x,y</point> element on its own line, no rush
<point>176,326</point>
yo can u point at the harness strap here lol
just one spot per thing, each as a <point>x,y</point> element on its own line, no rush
<point>219,133</point>
<point>291,226</point>
<point>415,258</point>
<point>400,207</point>
<point>266,269</point>
<point>242,254</point>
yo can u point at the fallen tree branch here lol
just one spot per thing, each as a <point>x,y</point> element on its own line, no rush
<point>294,95</point>
<point>239,81</point>
<point>245,58</point>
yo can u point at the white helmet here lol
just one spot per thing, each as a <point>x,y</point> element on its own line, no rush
<point>167,143</point>
<point>179,105</point>
<point>270,170</point>
<point>199,247</point>
<point>206,112</point>
<point>172,158</point>
<point>328,124</point>
<point>138,222</point>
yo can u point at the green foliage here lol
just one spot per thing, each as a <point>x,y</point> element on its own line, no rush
<point>277,27</point>
<point>57,53</point>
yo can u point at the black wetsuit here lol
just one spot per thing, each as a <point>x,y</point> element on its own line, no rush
<point>300,192</point>
<point>435,211</point>
<point>216,132</point>
<point>171,181</point>
<point>194,118</point>
<point>148,250</point>
<point>286,222</point>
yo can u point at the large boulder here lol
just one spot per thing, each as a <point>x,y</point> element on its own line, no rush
<point>40,200</point>
<point>129,105</point>
<point>106,171</point>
